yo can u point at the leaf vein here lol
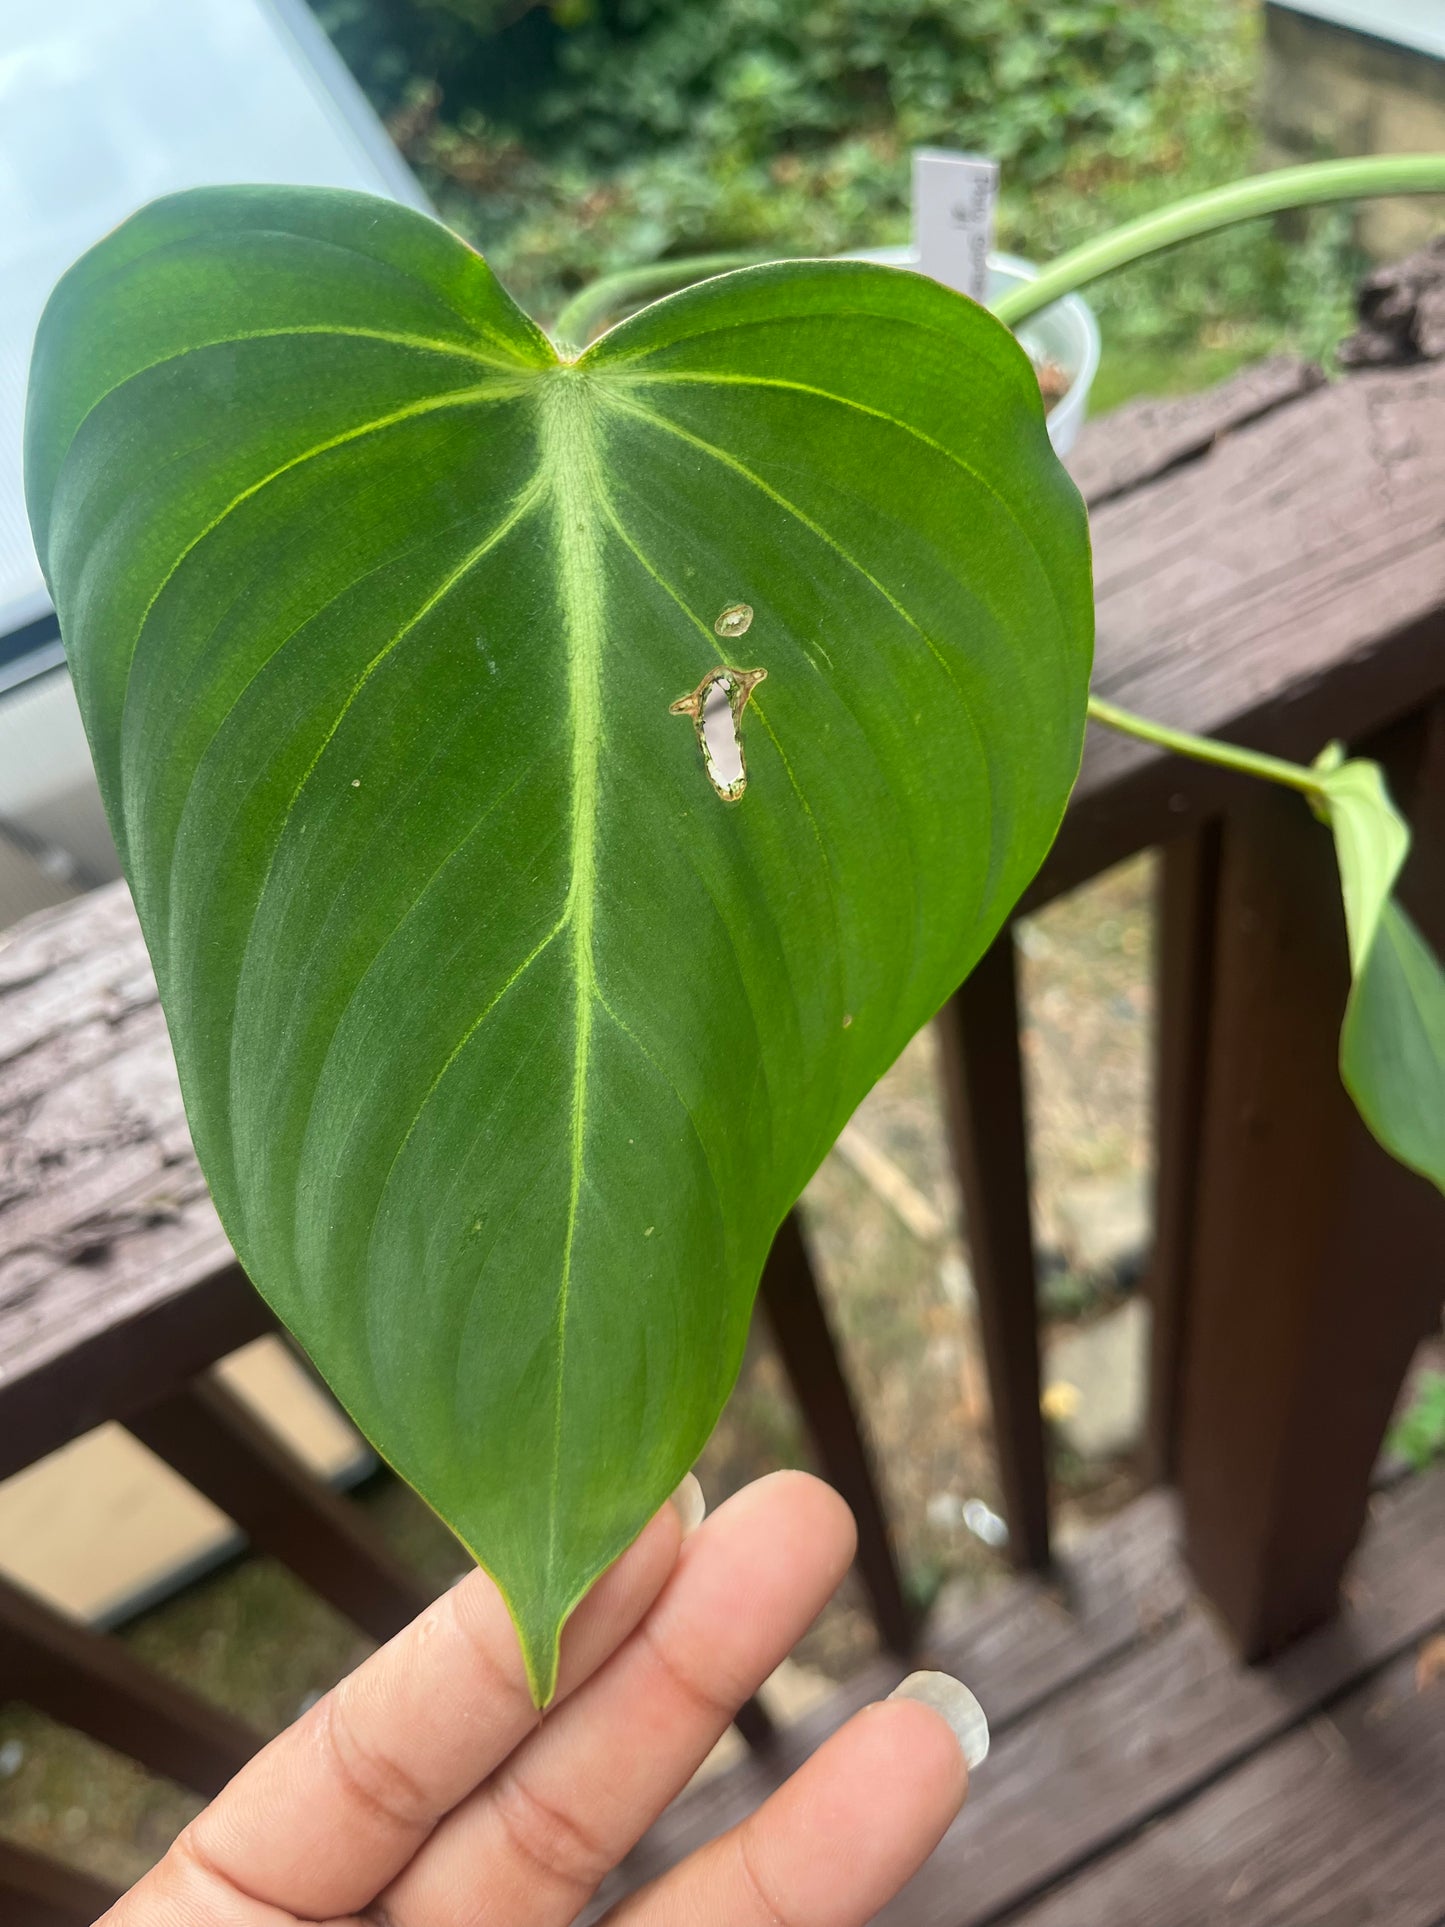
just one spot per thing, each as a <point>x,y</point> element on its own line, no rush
<point>791,508</point>
<point>516,511</point>
<point>462,398</point>
<point>451,350</point>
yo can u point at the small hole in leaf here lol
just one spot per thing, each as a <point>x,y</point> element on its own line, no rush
<point>716,708</point>
<point>735,620</point>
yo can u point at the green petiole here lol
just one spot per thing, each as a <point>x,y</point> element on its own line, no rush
<point>1205,749</point>
<point>1287,187</point>
<point>600,300</point>
<point>1314,184</point>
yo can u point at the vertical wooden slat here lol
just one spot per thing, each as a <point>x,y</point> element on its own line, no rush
<point>810,1356</point>
<point>86,1680</point>
<point>1414,757</point>
<point>1318,1259</point>
<point>755,1723</point>
<point>35,1892</point>
<point>207,1435</point>
<point>978,1035</point>
<point>1185,904</point>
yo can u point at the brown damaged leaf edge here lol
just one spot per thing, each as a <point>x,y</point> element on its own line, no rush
<point>716,708</point>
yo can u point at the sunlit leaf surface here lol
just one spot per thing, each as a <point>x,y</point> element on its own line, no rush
<point>1392,1047</point>
<point>516,997</point>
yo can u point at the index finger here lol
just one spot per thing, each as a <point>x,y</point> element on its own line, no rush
<point>332,1810</point>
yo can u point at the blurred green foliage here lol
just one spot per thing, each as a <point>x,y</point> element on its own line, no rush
<point>573,138</point>
<point>1418,1435</point>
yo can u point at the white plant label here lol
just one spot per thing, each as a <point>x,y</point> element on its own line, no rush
<point>953,204</point>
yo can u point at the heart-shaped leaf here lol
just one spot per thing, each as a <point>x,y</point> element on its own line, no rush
<point>419,668</point>
<point>1392,1045</point>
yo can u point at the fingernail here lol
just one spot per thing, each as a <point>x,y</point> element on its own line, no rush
<point>689,1504</point>
<point>951,1698</point>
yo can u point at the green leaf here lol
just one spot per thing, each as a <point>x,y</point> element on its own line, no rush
<point>506,1041</point>
<point>1418,1435</point>
<point>1392,1046</point>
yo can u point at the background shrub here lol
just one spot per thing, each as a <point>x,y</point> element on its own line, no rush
<point>572,138</point>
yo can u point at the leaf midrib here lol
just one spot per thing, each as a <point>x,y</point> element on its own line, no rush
<point>569,463</point>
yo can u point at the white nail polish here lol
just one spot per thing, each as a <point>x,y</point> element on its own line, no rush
<point>689,1504</point>
<point>951,1698</point>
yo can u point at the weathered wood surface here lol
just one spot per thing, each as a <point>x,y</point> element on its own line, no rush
<point>1186,900</point>
<point>35,1892</point>
<point>1316,1269</point>
<point>1280,584</point>
<point>116,1280</point>
<point>1338,1825</point>
<point>984,1090</point>
<point>792,1302</point>
<point>1282,589</point>
<point>1145,439</point>
<point>1019,1651</point>
<point>1119,1739</point>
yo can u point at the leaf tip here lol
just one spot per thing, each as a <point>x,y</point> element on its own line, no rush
<point>540,1654</point>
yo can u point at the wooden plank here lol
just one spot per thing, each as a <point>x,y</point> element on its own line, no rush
<point>35,1069</point>
<point>1133,1741</point>
<point>1019,1650</point>
<point>1281,590</point>
<point>1415,763</point>
<point>755,1725</point>
<point>35,1892</point>
<point>1337,1825</point>
<point>90,1681</point>
<point>1295,1352</point>
<point>978,1049</point>
<point>31,952</point>
<point>809,1352</point>
<point>1118,1744</point>
<point>1186,902</point>
<point>214,1441</point>
<point>104,1148</point>
<point>179,1306</point>
<point>1145,439</point>
<point>116,1280</point>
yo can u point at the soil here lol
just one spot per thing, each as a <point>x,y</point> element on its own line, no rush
<point>1053,382</point>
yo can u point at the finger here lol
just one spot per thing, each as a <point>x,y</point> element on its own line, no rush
<point>334,1807</point>
<point>569,1803</point>
<point>833,1845</point>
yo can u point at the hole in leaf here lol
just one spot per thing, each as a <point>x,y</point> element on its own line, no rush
<point>735,620</point>
<point>716,708</point>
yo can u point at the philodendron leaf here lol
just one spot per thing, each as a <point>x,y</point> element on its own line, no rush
<point>1392,1046</point>
<point>552,792</point>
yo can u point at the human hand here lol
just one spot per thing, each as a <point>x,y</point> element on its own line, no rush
<point>427,1791</point>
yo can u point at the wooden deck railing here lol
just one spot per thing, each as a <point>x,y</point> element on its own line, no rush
<point>1270,565</point>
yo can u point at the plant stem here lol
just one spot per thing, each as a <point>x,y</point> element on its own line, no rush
<point>600,300</point>
<point>1247,200</point>
<point>1287,187</point>
<point>1205,749</point>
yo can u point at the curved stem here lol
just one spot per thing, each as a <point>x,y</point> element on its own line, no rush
<point>1287,187</point>
<point>1205,749</point>
<point>600,300</point>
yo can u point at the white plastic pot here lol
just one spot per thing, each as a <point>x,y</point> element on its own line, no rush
<point>1066,334</point>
